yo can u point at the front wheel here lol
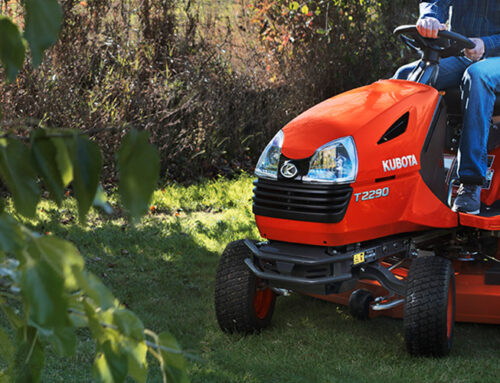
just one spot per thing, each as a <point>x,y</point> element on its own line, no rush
<point>243,302</point>
<point>359,304</point>
<point>429,313</point>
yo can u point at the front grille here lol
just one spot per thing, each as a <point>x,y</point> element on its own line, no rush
<point>301,202</point>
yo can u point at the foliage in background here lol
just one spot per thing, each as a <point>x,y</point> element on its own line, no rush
<point>211,81</point>
<point>333,45</point>
<point>46,293</point>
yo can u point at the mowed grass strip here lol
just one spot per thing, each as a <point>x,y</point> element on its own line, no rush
<point>164,268</point>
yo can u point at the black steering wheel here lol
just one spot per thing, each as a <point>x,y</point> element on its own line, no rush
<point>448,43</point>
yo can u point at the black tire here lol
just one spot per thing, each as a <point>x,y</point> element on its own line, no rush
<point>429,312</point>
<point>359,304</point>
<point>243,303</point>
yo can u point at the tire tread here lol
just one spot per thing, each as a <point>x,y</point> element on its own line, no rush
<point>234,292</point>
<point>425,317</point>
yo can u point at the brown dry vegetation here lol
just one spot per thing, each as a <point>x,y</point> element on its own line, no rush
<point>211,81</point>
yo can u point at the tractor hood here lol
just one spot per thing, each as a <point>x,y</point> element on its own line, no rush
<point>364,113</point>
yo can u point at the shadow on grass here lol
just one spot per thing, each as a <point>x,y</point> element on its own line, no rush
<point>164,270</point>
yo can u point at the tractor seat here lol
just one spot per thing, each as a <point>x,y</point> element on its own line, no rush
<point>453,102</point>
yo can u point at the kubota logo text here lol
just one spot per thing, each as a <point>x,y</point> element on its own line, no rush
<point>399,163</point>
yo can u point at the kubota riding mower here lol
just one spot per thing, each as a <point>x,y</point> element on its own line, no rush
<point>355,194</point>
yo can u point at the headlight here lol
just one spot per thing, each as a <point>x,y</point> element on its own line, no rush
<point>335,162</point>
<point>267,167</point>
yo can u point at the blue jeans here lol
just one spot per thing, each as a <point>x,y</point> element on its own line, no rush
<point>478,83</point>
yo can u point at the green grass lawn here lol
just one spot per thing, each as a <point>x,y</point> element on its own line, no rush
<point>163,269</point>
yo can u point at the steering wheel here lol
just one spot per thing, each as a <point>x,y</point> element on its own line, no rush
<point>447,43</point>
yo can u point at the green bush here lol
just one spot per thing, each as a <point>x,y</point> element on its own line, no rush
<point>324,47</point>
<point>210,81</point>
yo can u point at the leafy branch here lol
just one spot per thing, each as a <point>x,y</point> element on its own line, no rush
<point>46,293</point>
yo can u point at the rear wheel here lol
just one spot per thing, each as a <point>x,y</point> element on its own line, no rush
<point>243,302</point>
<point>429,317</point>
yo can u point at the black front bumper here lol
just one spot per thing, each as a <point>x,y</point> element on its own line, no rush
<point>324,270</point>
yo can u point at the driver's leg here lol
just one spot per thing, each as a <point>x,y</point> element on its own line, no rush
<point>479,84</point>
<point>451,70</point>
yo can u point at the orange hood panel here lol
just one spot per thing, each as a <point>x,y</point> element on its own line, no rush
<point>344,115</point>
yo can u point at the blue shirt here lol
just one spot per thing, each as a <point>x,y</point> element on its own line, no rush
<point>471,18</point>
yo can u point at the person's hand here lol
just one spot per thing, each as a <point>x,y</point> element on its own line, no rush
<point>429,27</point>
<point>477,52</point>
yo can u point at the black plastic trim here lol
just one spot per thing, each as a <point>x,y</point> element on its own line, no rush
<point>492,276</point>
<point>301,202</point>
<point>431,156</point>
<point>432,127</point>
<point>396,129</point>
<point>383,179</point>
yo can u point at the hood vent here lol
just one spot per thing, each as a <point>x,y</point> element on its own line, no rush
<point>396,129</point>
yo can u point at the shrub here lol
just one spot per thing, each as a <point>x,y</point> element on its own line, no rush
<point>209,86</point>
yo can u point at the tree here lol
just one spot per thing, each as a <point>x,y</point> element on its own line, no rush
<point>45,290</point>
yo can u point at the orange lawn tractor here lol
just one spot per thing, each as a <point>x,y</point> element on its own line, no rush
<point>352,201</point>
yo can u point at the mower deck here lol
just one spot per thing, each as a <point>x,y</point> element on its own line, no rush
<point>476,301</point>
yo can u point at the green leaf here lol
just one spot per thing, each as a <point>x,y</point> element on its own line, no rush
<point>174,364</point>
<point>13,317</point>
<point>11,236</point>
<point>47,276</point>
<point>63,161</point>
<point>48,271</point>
<point>77,307</point>
<point>87,163</point>
<point>63,257</point>
<point>137,363</point>
<point>130,339</point>
<point>43,154</point>
<point>11,47</point>
<point>6,349</point>
<point>305,9</point>
<point>98,332</point>
<point>18,174</point>
<point>96,290</point>
<point>138,166</point>
<point>294,5</point>
<point>128,324</point>
<point>43,22</point>
<point>28,360</point>
<point>46,302</point>
<point>44,295</point>
<point>110,364</point>
<point>63,340</point>
<point>4,378</point>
